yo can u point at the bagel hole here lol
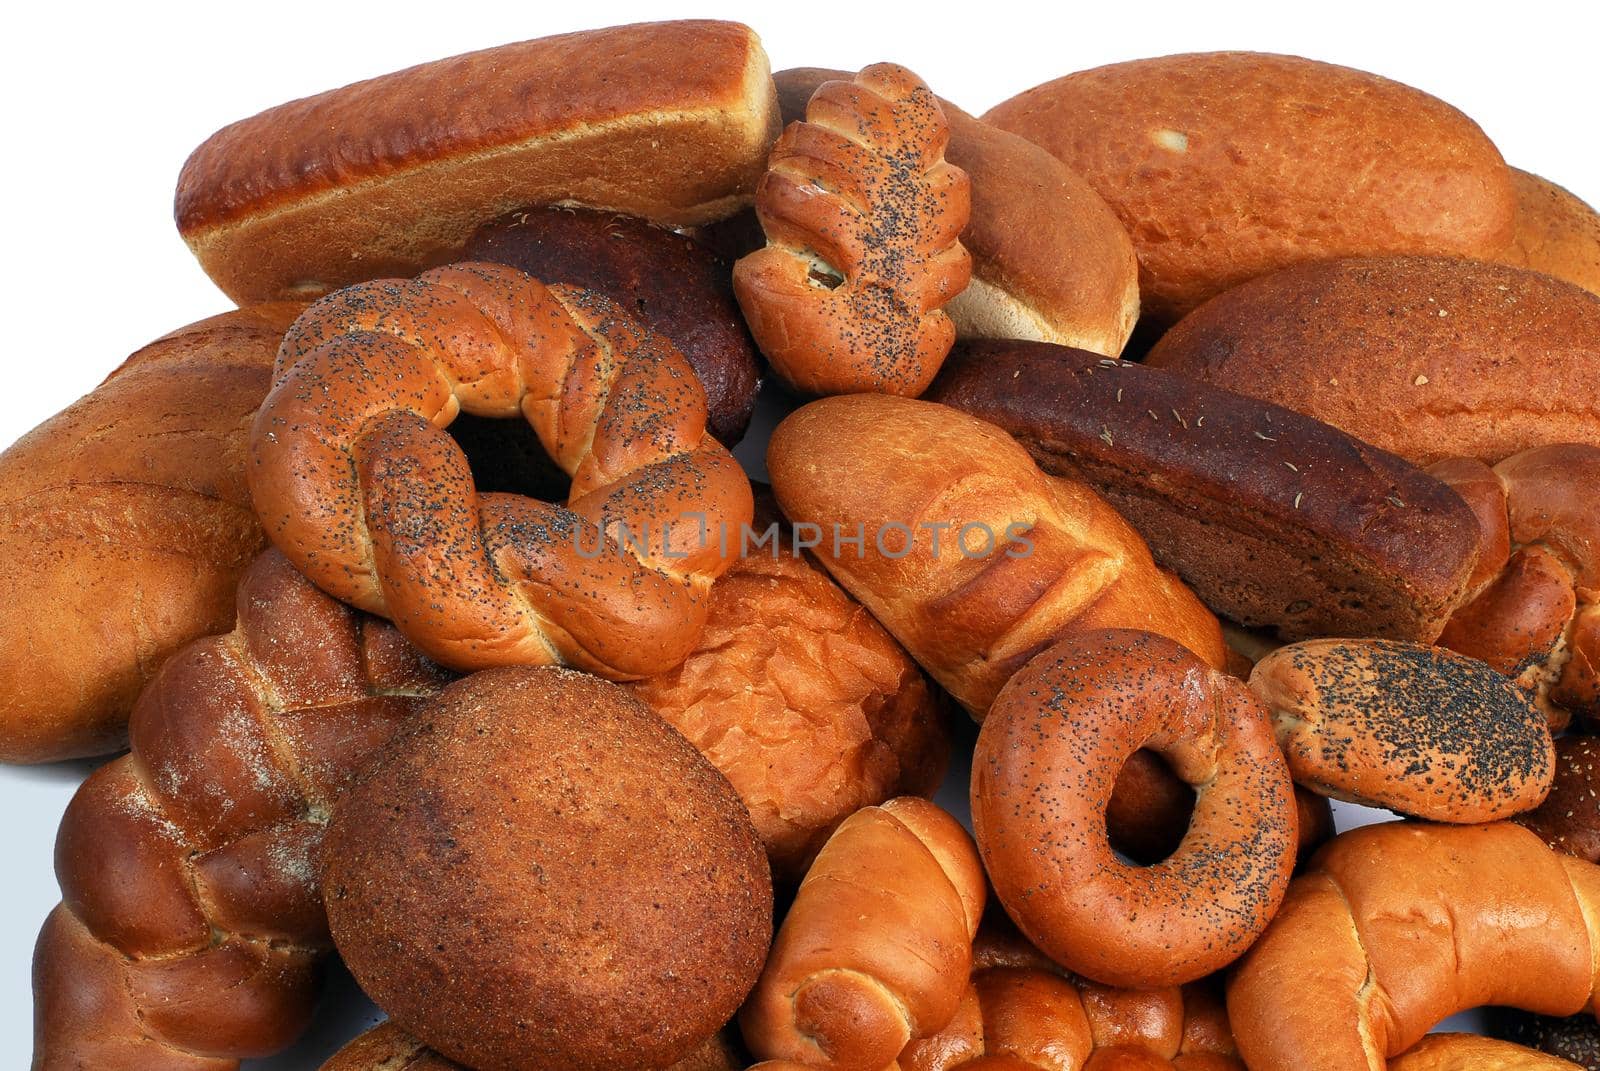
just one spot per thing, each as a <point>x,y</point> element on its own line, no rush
<point>507,458</point>
<point>1149,811</point>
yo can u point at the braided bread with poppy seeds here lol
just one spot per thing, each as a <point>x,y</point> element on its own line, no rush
<point>191,921</point>
<point>359,486</point>
<point>863,218</point>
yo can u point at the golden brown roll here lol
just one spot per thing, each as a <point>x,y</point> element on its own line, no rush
<point>973,558</point>
<point>1426,357</point>
<point>669,121</point>
<point>1556,233</point>
<point>1228,165</point>
<point>876,949</point>
<point>543,873</point>
<point>1398,925</point>
<point>1050,260</point>
<point>1470,1052</point>
<point>388,1048</point>
<point>124,527</point>
<point>802,700</point>
<point>1419,730</point>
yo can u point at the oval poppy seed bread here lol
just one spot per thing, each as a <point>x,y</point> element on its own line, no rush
<point>1420,730</point>
<point>543,873</point>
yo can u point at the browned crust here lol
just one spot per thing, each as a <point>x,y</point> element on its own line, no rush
<point>1227,165</point>
<point>1050,260</point>
<point>1427,357</point>
<point>670,121</point>
<point>1556,232</point>
<point>1273,518</point>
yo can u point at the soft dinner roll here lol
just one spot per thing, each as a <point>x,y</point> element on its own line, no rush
<point>1556,233</point>
<point>544,874</point>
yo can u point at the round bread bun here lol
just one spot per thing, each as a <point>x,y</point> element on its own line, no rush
<point>1420,730</point>
<point>1050,260</point>
<point>1556,232</point>
<point>1426,357</point>
<point>1569,818</point>
<point>544,874</point>
<point>388,1048</point>
<point>806,703</point>
<point>1228,165</point>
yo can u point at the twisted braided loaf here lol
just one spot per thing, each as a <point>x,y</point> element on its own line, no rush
<point>191,922</point>
<point>359,486</point>
<point>1534,612</point>
<point>862,216</point>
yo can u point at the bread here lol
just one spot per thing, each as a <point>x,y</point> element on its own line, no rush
<point>388,1048</point>
<point>358,485</point>
<point>124,527</point>
<point>1469,1052</point>
<point>802,700</point>
<point>1569,818</point>
<point>862,216</point>
<point>191,925</point>
<point>1572,1037</point>
<point>1151,807</point>
<point>1396,926</point>
<point>1416,729</point>
<point>542,873</point>
<point>671,284</point>
<point>1533,611</point>
<point>1556,233</point>
<point>1046,761</point>
<point>876,948</point>
<point>1228,165</point>
<point>1047,556</point>
<point>1050,261</point>
<point>1274,519</point>
<point>1426,357</point>
<point>669,121</point>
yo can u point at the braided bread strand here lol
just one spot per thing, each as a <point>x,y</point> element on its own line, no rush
<point>359,486</point>
<point>191,923</point>
<point>1534,611</point>
<point>863,217</point>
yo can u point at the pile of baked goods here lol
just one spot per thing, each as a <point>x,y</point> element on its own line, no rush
<point>1191,441</point>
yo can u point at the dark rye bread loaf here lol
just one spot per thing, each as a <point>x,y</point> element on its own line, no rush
<point>670,282</point>
<point>1429,357</point>
<point>1273,518</point>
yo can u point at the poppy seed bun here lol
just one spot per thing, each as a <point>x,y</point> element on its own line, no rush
<point>544,874</point>
<point>1419,730</point>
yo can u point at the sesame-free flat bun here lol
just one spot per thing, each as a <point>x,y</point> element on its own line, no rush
<point>1426,357</point>
<point>544,874</point>
<point>669,121</point>
<point>1227,165</point>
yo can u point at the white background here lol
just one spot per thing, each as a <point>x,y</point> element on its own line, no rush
<point>103,105</point>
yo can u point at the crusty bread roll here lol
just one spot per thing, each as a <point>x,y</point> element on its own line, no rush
<point>973,558</point>
<point>1556,233</point>
<point>1470,1052</point>
<point>1228,165</point>
<point>804,702</point>
<point>672,284</point>
<point>124,527</point>
<point>1420,730</point>
<point>669,121</point>
<point>876,949</point>
<point>544,874</point>
<point>1050,260</point>
<point>1426,357</point>
<point>1273,518</point>
<point>1569,818</point>
<point>1396,926</point>
<point>388,1048</point>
